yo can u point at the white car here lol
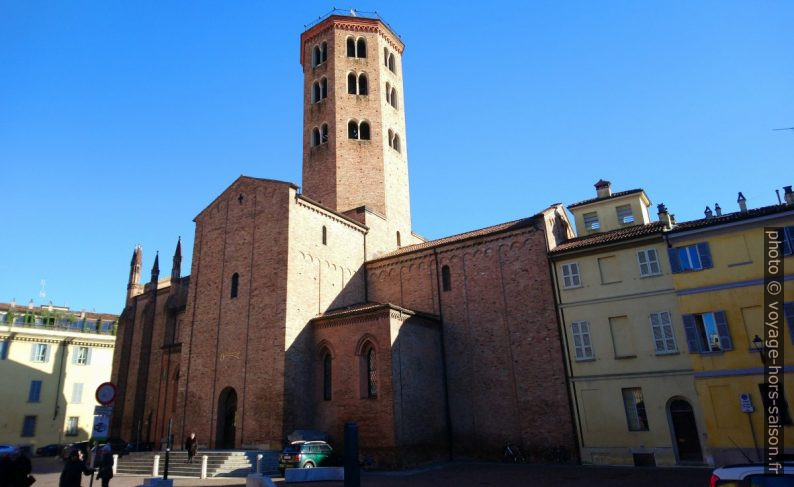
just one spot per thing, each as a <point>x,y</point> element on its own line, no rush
<point>751,475</point>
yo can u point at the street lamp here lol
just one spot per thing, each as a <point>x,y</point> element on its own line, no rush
<point>758,346</point>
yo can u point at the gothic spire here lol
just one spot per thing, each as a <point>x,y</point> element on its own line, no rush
<point>156,267</point>
<point>176,268</point>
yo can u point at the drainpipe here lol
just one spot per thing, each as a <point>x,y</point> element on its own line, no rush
<point>56,409</point>
<point>447,414</point>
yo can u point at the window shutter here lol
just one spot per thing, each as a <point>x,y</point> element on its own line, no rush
<point>722,330</point>
<point>88,357</point>
<point>705,255</point>
<point>692,337</point>
<point>75,353</point>
<point>33,352</point>
<point>3,349</point>
<point>788,311</point>
<point>788,240</point>
<point>675,261</point>
<point>47,354</point>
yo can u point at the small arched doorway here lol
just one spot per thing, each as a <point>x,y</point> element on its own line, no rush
<point>227,411</point>
<point>685,431</point>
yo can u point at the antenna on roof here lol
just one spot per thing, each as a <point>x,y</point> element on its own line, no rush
<point>353,14</point>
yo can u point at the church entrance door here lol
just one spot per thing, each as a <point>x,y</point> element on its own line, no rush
<point>227,412</point>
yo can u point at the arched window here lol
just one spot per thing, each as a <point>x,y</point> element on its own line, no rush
<point>446,280</point>
<point>391,136</point>
<point>352,129</point>
<point>393,98</point>
<point>398,239</point>
<point>386,56</point>
<point>327,376</point>
<point>372,372</point>
<point>315,92</point>
<point>391,63</point>
<point>323,88</point>
<point>324,133</point>
<point>361,47</point>
<point>325,236</point>
<point>396,143</point>
<point>352,86</point>
<point>388,93</point>
<point>316,56</point>
<point>315,137</point>
<point>351,47</point>
<point>235,282</point>
<point>363,131</point>
<point>363,86</point>
<point>323,52</point>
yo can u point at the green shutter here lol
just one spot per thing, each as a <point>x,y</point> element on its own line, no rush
<point>692,335</point>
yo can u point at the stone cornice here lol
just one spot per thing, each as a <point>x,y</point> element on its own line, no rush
<point>352,24</point>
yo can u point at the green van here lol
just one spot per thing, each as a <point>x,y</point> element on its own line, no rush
<point>304,454</point>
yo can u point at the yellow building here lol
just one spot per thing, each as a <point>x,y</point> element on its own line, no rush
<point>51,362</point>
<point>718,277</point>
<point>630,377</point>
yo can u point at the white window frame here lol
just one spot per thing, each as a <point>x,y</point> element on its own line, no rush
<point>630,216</point>
<point>40,356</point>
<point>580,332</point>
<point>594,225</point>
<point>662,332</point>
<point>77,393</point>
<point>571,279</point>
<point>72,425</point>
<point>691,253</point>
<point>649,263</point>
<point>82,356</point>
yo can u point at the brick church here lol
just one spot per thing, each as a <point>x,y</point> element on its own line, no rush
<point>309,307</point>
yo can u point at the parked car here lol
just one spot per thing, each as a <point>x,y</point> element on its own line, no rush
<point>50,450</point>
<point>8,450</point>
<point>304,454</point>
<point>83,446</point>
<point>141,446</point>
<point>751,475</point>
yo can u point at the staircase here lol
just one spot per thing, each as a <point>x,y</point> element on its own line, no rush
<point>222,463</point>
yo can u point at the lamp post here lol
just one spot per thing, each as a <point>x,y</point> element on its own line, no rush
<point>758,346</point>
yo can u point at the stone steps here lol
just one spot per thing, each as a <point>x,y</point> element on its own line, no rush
<point>219,463</point>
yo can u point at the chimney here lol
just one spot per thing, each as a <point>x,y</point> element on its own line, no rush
<point>742,202</point>
<point>664,216</point>
<point>788,195</point>
<point>708,212</point>
<point>603,189</point>
<point>717,209</point>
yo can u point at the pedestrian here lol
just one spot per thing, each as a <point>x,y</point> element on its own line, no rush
<point>105,465</point>
<point>191,445</point>
<point>20,470</point>
<point>73,469</point>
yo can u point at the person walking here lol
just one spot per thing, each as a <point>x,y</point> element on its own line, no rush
<point>105,465</point>
<point>191,445</point>
<point>20,468</point>
<point>73,469</point>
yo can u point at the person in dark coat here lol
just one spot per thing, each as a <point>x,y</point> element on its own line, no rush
<point>191,445</point>
<point>73,469</point>
<point>20,471</point>
<point>105,465</point>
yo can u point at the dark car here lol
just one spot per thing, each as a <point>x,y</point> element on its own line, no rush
<point>49,450</point>
<point>83,446</point>
<point>141,446</point>
<point>304,454</point>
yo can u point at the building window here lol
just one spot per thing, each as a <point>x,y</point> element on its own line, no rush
<point>351,47</point>
<point>34,395</point>
<point>398,240</point>
<point>649,262</point>
<point>446,279</point>
<point>4,349</point>
<point>29,426</point>
<point>323,52</point>
<point>583,347</point>
<point>315,92</point>
<point>357,130</point>
<point>319,90</point>
<point>393,98</point>
<point>392,64</point>
<point>327,376</point>
<point>325,236</point>
<point>372,377</point>
<point>363,131</point>
<point>316,56</point>
<point>395,143</point>
<point>361,48</point>
<point>386,56</point>
<point>625,217</point>
<point>707,332</point>
<point>662,330</point>
<point>235,282</point>
<point>82,356</point>
<point>352,129</point>
<point>71,425</point>
<point>363,85</point>
<point>591,221</point>
<point>40,352</point>
<point>324,134</point>
<point>352,84</point>
<point>315,137</point>
<point>570,275</point>
<point>635,409</point>
<point>783,416</point>
<point>77,393</point>
<point>690,258</point>
<point>788,240</point>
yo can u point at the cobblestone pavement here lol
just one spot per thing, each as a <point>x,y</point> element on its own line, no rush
<point>456,474</point>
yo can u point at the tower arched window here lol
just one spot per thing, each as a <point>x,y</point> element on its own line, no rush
<point>370,370</point>
<point>352,129</point>
<point>395,143</point>
<point>386,56</point>
<point>316,56</point>
<point>315,137</point>
<point>315,92</point>
<point>325,236</point>
<point>392,63</point>
<point>391,138</point>
<point>363,86</point>
<point>399,243</point>
<point>235,283</point>
<point>327,384</point>
<point>323,88</point>
<point>323,52</point>
<point>352,84</point>
<point>363,131</point>
<point>446,279</point>
<point>324,134</point>
<point>388,93</point>
<point>393,98</point>
<point>351,47</point>
<point>361,48</point>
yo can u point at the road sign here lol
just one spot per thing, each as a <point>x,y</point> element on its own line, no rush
<point>103,410</point>
<point>745,403</point>
<point>101,428</point>
<point>105,393</point>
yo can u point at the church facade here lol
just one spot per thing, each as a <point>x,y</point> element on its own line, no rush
<point>310,307</point>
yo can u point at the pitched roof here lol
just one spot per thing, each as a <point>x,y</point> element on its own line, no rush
<point>731,217</point>
<point>363,308</point>
<point>613,236</point>
<point>613,195</point>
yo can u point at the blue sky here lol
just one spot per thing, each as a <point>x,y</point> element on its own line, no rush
<point>120,121</point>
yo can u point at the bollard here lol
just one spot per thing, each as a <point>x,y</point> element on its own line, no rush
<point>156,466</point>
<point>203,466</point>
<point>352,468</point>
<point>259,458</point>
<point>115,463</point>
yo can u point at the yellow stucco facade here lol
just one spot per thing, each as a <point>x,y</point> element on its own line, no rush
<point>49,371</point>
<point>731,286</point>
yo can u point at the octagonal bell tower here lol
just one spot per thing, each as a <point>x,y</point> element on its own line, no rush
<point>354,144</point>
